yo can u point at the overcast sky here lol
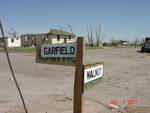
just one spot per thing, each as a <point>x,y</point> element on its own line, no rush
<point>120,19</point>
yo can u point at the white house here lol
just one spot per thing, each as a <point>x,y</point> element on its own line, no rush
<point>13,41</point>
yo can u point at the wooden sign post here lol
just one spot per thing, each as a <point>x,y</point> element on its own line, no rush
<point>78,82</point>
<point>70,54</point>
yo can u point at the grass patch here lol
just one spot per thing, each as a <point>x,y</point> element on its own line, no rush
<point>92,83</point>
<point>56,62</point>
<point>33,49</point>
<point>20,50</point>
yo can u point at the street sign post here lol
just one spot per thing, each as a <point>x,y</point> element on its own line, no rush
<point>71,54</point>
<point>78,81</point>
<point>66,50</point>
<point>93,72</point>
<point>59,54</point>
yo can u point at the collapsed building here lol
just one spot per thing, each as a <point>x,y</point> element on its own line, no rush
<point>54,36</point>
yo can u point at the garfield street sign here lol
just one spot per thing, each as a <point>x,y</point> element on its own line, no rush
<point>58,50</point>
<point>93,72</point>
<point>58,54</point>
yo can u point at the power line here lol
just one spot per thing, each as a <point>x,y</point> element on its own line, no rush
<point>11,69</point>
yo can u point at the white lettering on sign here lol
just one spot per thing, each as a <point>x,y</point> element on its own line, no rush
<point>93,73</point>
<point>58,50</point>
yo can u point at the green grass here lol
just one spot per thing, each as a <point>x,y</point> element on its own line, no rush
<point>20,50</point>
<point>33,49</point>
<point>92,83</point>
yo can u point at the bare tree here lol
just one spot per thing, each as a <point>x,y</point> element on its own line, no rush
<point>70,27</point>
<point>95,37</point>
<point>102,38</point>
<point>90,36</point>
<point>135,42</point>
<point>98,34</point>
<point>60,28</point>
<point>13,33</point>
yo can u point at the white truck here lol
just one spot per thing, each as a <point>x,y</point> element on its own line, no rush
<point>146,45</point>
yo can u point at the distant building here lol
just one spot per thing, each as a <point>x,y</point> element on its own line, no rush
<point>11,41</point>
<point>54,36</point>
<point>124,42</point>
<point>1,42</point>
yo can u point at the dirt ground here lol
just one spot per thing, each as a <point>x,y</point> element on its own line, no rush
<point>49,88</point>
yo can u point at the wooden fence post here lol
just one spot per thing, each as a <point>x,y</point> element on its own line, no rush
<point>78,81</point>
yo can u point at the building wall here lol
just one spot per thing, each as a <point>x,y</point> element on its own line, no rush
<point>1,42</point>
<point>38,40</point>
<point>13,42</point>
<point>62,39</point>
<point>71,40</point>
<point>27,41</point>
<point>33,40</point>
<point>56,41</point>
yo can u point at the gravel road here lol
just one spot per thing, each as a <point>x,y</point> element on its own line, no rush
<point>49,88</point>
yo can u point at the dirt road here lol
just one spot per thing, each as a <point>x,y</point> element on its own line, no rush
<point>49,88</point>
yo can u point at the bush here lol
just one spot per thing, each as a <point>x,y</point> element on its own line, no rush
<point>105,44</point>
<point>114,44</point>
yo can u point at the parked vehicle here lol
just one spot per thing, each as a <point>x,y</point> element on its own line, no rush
<point>146,45</point>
